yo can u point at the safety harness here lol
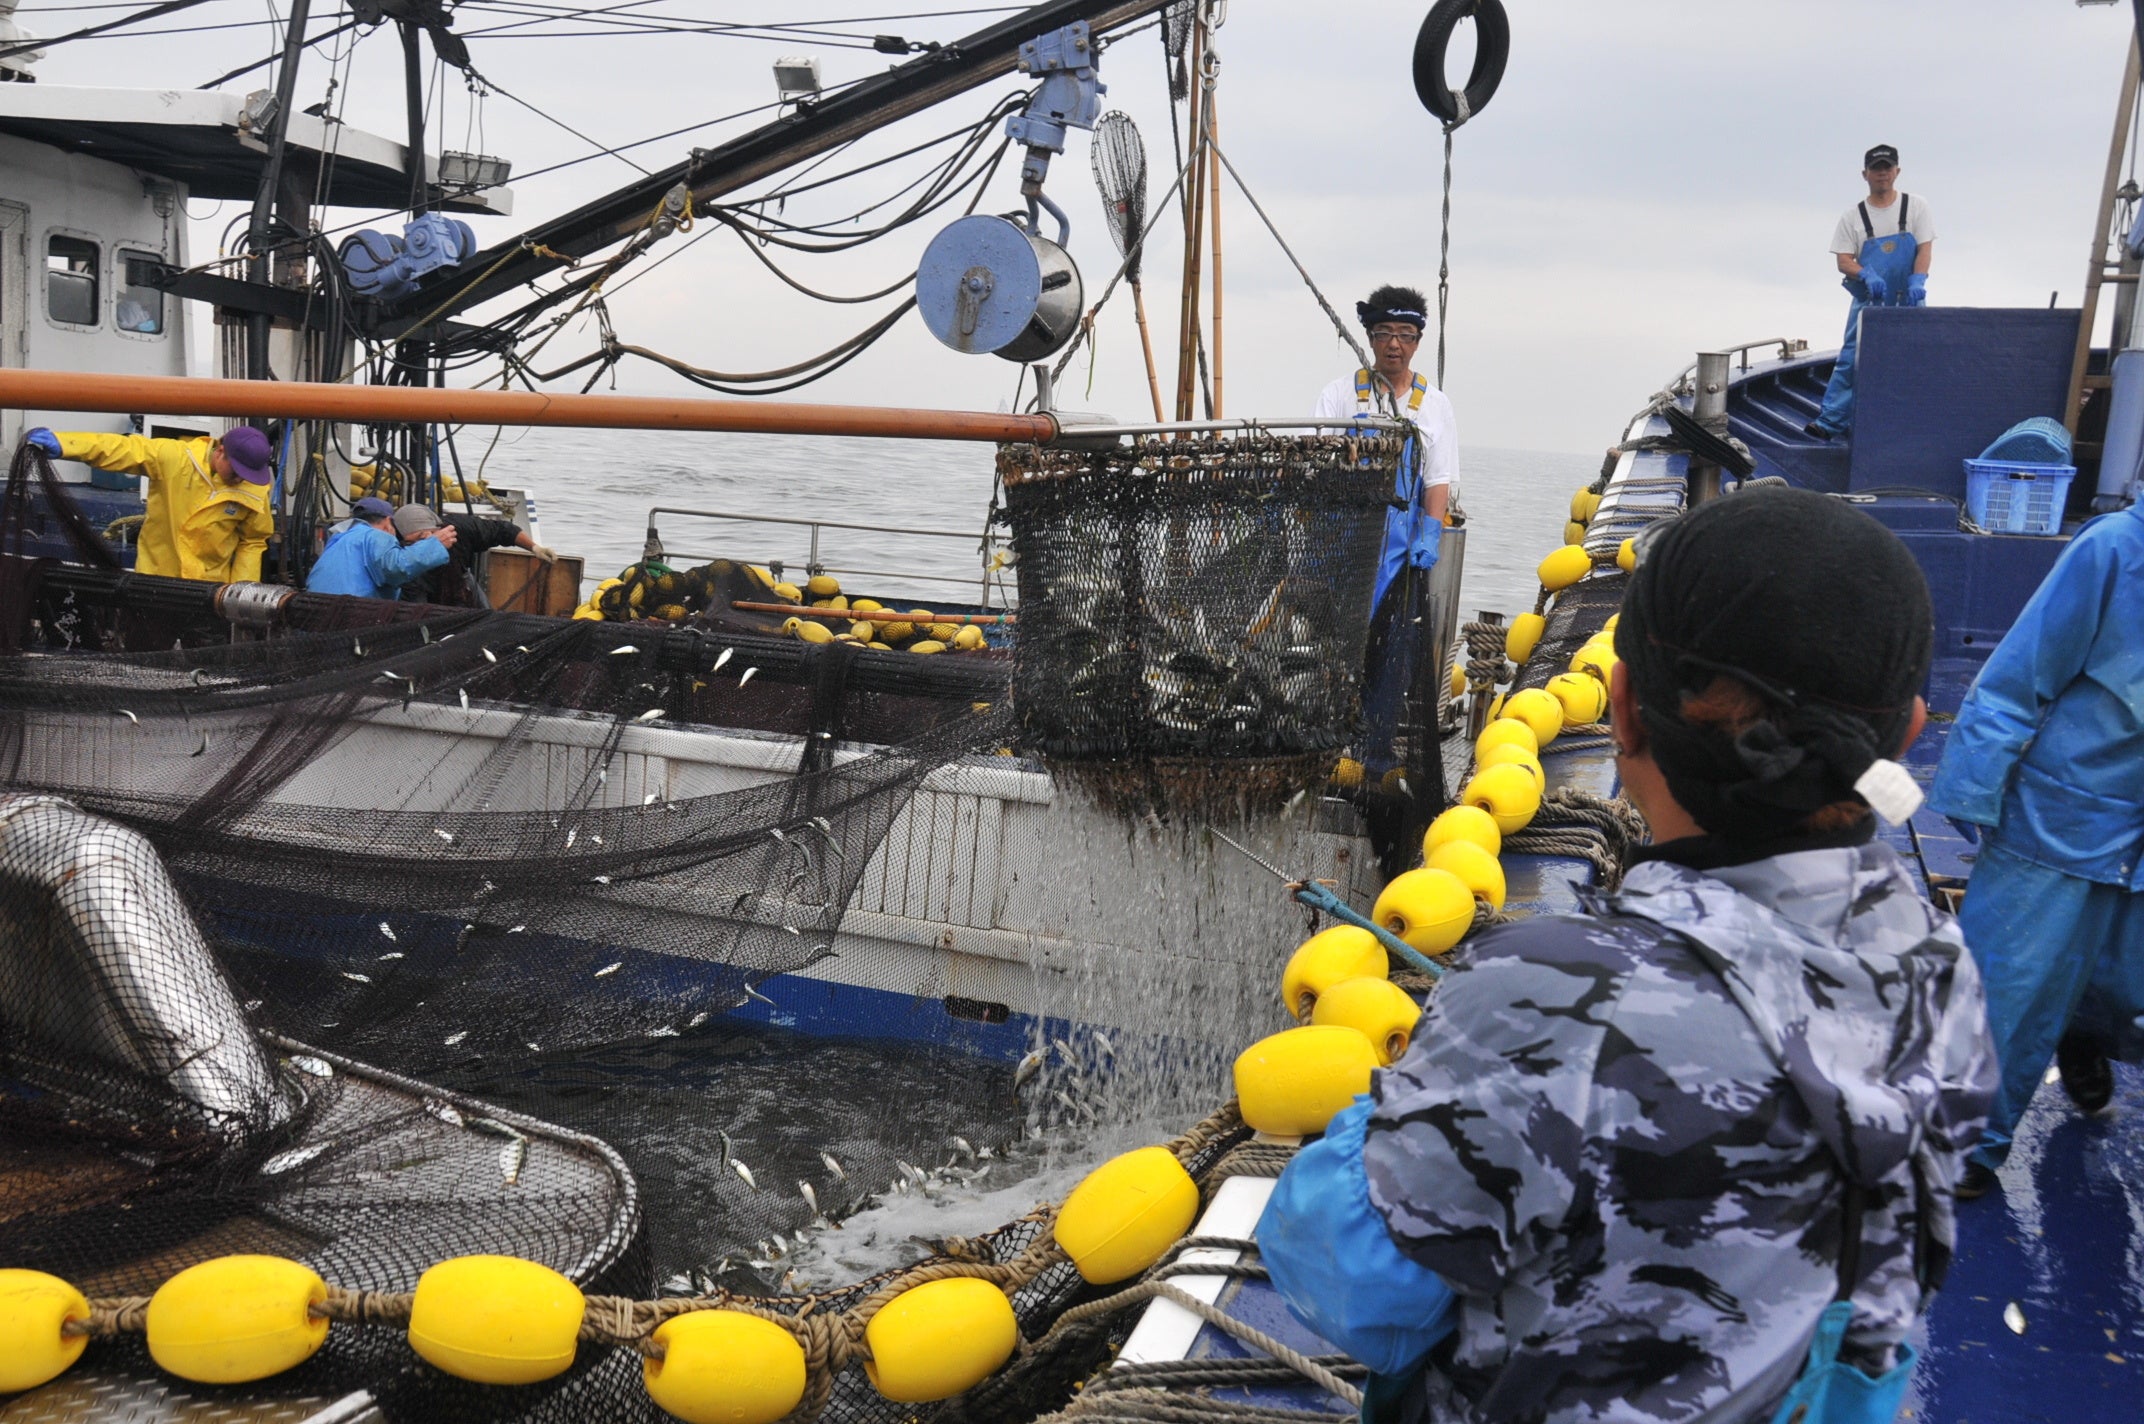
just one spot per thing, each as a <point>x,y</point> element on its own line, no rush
<point>1869,227</point>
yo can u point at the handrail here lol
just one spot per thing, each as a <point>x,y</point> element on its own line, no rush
<point>814,565</point>
<point>1789,346</point>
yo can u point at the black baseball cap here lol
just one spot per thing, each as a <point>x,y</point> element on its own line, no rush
<point>1881,156</point>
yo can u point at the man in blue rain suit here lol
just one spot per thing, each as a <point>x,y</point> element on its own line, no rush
<point>1883,245</point>
<point>370,560</point>
<point>1635,1155</point>
<point>2045,768</point>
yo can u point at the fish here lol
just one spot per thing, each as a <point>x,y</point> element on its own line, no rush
<point>913,1174</point>
<point>357,649</point>
<point>651,715</point>
<point>315,1067</point>
<point>1028,1067</point>
<point>747,676</point>
<point>456,1037</point>
<point>729,1150</point>
<point>752,993</point>
<point>824,826</point>
<point>665,1031</point>
<point>518,929</point>
<point>521,647</point>
<point>2014,1317</point>
<point>446,1112</point>
<point>463,693</point>
<point>356,977</point>
<point>745,1172</point>
<point>424,632</point>
<point>962,1146</point>
<point>295,1157</point>
<point>775,834</point>
<point>811,1198</point>
<point>611,968</point>
<point>387,929</point>
<point>447,836</point>
<point>1102,1043</point>
<point>572,835</point>
<point>392,955</point>
<point>840,1175</point>
<point>603,880</point>
<point>697,1019</point>
<point>1064,1050</point>
<point>621,652</point>
<point>492,1127</point>
<point>789,1281</point>
<point>512,1157</point>
<point>721,658</point>
<point>651,798</point>
<point>129,716</point>
<point>777,1246</point>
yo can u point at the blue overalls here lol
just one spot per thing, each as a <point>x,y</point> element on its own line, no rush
<point>1401,523</point>
<point>1890,258</point>
<point>1390,659</point>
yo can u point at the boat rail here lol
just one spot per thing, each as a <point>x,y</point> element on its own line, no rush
<point>987,578</point>
<point>1789,347</point>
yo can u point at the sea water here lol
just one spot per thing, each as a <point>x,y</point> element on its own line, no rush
<point>782,1101</point>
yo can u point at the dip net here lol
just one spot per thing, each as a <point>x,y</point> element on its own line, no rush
<point>1194,612</point>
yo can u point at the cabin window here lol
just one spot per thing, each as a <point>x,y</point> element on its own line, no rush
<point>141,302</point>
<point>71,280</point>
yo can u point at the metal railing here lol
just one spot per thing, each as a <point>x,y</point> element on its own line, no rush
<point>986,543</point>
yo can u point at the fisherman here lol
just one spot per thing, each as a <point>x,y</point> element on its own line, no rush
<point>1428,477</point>
<point>1623,1168</point>
<point>2045,772</point>
<point>1883,245</point>
<point>454,582</point>
<point>210,506</point>
<point>368,559</point>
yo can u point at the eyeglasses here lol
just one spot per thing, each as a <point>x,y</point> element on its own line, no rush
<point>1406,334</point>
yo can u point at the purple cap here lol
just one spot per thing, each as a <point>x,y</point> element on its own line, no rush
<point>248,451</point>
<point>371,508</point>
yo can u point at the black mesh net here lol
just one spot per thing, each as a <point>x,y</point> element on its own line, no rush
<point>1193,611</point>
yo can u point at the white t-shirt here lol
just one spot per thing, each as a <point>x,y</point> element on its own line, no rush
<point>1439,432</point>
<point>1848,236</point>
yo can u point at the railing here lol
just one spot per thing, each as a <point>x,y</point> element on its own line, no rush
<point>985,579</point>
<point>1789,347</point>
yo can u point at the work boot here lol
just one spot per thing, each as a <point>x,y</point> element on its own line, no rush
<point>1817,431</point>
<point>2087,1076</point>
<point>1978,1181</point>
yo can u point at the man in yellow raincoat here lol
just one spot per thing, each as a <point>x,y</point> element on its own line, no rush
<point>210,505</point>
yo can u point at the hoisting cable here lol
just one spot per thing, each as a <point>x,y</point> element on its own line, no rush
<point>1346,335</point>
<point>1453,107</point>
<point>135,18</point>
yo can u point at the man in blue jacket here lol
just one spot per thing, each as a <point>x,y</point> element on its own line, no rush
<point>2045,768</point>
<point>369,560</point>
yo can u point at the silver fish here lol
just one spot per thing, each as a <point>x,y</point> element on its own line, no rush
<point>752,993</point>
<point>961,1145</point>
<point>492,1127</point>
<point>357,649</point>
<point>489,655</point>
<point>811,1198</point>
<point>697,1019</point>
<point>512,1157</point>
<point>602,880</point>
<point>1064,1050</point>
<point>1102,1043</point>
<point>721,658</point>
<point>424,631</point>
<point>572,835</point>
<point>518,929</point>
<point>913,1174</point>
<point>447,836</point>
<point>315,1067</point>
<point>729,1150</point>
<point>747,676</point>
<point>612,968</point>
<point>456,1037</point>
<point>392,955</point>
<point>651,798</point>
<point>356,977</point>
<point>833,1166</point>
<point>463,693</point>
<point>129,716</point>
<point>1028,1067</point>
<point>387,929</point>
<point>651,715</point>
<point>621,652</point>
<point>745,1172</point>
<point>2014,1317</point>
<point>446,1112</point>
<point>789,1282</point>
<point>295,1157</point>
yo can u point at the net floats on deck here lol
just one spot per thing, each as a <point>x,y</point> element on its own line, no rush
<point>1325,959</point>
<point>725,1367</point>
<point>1378,1009</point>
<point>1291,1083</point>
<point>1125,1213</point>
<point>237,1319</point>
<point>939,1339</point>
<point>36,1344</point>
<point>496,1319</point>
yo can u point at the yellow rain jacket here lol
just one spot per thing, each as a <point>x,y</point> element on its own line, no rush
<point>198,526</point>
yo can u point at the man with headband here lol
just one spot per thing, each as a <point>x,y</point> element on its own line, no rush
<point>1637,1153</point>
<point>2045,768</point>
<point>1395,318</point>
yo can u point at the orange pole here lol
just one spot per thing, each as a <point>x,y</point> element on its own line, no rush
<point>186,395</point>
<point>1213,125</point>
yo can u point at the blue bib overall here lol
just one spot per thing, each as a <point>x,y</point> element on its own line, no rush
<point>1401,524</point>
<point>1890,258</point>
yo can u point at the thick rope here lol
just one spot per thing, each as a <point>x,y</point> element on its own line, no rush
<point>1150,1405</point>
<point>1585,827</point>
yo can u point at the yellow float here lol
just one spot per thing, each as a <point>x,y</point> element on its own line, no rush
<point>1507,793</point>
<point>1468,824</point>
<point>236,1318</point>
<point>1481,872</point>
<point>1539,710</point>
<point>939,1339</point>
<point>1292,1082</point>
<point>1430,909</point>
<point>1125,1213</point>
<point>496,1319</point>
<point>1507,730</point>
<point>1520,637</point>
<point>788,593</point>
<point>34,1308</point>
<point>969,638</point>
<point>1584,505</point>
<point>1563,568</point>
<point>1626,555</point>
<point>1378,1009</point>
<point>926,646</point>
<point>1574,533</point>
<point>823,585</point>
<point>1512,754</point>
<point>1582,696</point>
<point>725,1367</point>
<point>1595,658</point>
<point>1347,773</point>
<point>809,630</point>
<point>1458,681</point>
<point>1326,958</point>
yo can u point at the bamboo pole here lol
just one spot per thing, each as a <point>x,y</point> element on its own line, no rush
<point>1213,136</point>
<point>1146,348</point>
<point>1194,236</point>
<point>183,395</point>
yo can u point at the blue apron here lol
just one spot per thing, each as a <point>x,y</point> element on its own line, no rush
<point>1401,524</point>
<point>1890,258</point>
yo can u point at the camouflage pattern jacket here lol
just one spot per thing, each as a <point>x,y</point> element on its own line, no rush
<point>1620,1137</point>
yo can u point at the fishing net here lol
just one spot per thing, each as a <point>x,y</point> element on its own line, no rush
<point>1193,612</point>
<point>1119,158</point>
<point>1176,23</point>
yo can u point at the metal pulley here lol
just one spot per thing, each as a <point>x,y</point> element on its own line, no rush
<point>987,284</point>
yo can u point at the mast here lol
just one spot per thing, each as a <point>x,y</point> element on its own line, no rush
<point>259,324</point>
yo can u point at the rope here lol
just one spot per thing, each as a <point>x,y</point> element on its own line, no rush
<point>1444,243</point>
<point>1227,1372</point>
<point>1157,1406</point>
<point>1248,1334</point>
<point>1486,664</point>
<point>1585,827</point>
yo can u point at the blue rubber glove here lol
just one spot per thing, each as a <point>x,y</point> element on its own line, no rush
<point>1428,539</point>
<point>1879,290</point>
<point>1967,831</point>
<point>1917,290</point>
<point>42,439</point>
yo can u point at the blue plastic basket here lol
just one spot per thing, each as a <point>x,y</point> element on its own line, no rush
<point>2014,497</point>
<point>2041,440</point>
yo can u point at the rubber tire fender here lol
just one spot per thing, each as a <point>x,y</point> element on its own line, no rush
<point>1492,47</point>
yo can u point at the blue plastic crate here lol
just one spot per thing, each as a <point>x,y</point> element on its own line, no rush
<point>2014,497</point>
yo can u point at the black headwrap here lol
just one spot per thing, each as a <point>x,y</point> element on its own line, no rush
<point>1394,304</point>
<point>1812,605</point>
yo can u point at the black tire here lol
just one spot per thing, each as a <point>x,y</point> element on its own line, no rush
<point>1492,46</point>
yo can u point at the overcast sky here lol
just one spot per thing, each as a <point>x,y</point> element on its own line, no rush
<point>1654,177</point>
